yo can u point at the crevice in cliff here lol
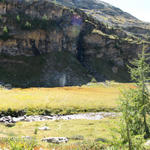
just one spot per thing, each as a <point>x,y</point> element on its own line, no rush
<point>80,47</point>
<point>34,48</point>
<point>86,29</point>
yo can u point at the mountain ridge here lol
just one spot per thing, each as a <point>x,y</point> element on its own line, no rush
<point>111,15</point>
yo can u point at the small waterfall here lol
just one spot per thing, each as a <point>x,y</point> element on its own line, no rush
<point>62,80</point>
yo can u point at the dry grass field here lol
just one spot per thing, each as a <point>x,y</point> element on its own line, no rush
<point>63,100</point>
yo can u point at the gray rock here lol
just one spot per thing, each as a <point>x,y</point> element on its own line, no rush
<point>147,143</point>
<point>27,137</point>
<point>8,86</point>
<point>35,118</point>
<point>8,124</point>
<point>15,119</point>
<point>77,137</point>
<point>7,119</point>
<point>101,140</point>
<point>44,128</point>
<point>56,140</point>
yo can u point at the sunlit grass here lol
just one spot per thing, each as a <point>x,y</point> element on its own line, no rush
<point>95,97</point>
<point>62,100</point>
<point>89,129</point>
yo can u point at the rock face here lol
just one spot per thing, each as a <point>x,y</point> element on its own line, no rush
<point>46,44</point>
<point>111,15</point>
<point>34,40</point>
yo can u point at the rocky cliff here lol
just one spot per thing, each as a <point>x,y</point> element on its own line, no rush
<point>43,43</point>
<point>111,16</point>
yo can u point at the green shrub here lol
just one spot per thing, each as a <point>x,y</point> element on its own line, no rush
<point>21,144</point>
<point>5,36</point>
<point>5,29</point>
<point>18,18</point>
<point>28,25</point>
<point>93,80</point>
<point>3,1</point>
<point>45,18</point>
<point>35,131</point>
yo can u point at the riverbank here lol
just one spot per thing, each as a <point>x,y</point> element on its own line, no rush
<point>84,116</point>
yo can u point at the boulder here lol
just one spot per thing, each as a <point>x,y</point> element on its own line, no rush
<point>147,144</point>
<point>8,124</point>
<point>101,140</point>
<point>44,128</point>
<point>7,119</point>
<point>56,140</point>
<point>18,119</point>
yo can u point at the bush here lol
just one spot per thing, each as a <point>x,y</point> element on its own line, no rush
<point>5,36</point>
<point>28,25</point>
<point>21,143</point>
<point>5,29</point>
<point>18,18</point>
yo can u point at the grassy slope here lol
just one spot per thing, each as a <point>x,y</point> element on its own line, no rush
<point>65,100</point>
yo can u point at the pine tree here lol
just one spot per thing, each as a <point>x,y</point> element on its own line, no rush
<point>134,103</point>
<point>140,73</point>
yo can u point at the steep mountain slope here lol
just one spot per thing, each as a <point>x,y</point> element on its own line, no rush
<point>111,15</point>
<point>43,43</point>
<point>97,5</point>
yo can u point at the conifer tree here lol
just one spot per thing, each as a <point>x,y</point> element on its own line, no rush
<point>140,73</point>
<point>135,103</point>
